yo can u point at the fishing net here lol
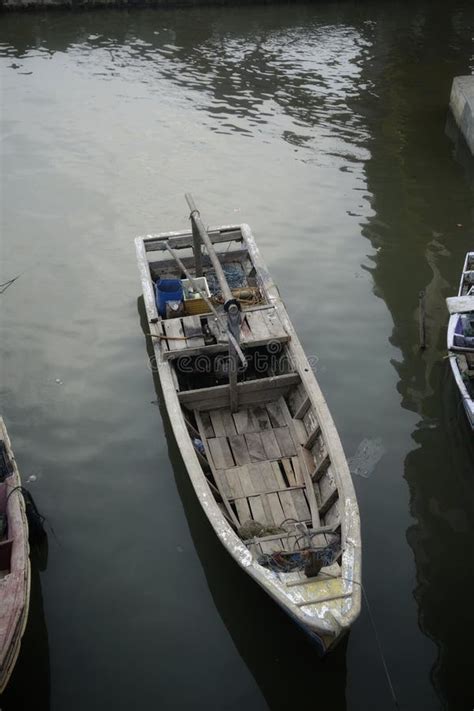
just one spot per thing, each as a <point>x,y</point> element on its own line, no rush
<point>234,274</point>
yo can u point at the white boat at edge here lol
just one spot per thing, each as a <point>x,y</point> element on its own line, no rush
<point>458,351</point>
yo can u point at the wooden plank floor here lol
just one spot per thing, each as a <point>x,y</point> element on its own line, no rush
<point>255,459</point>
<point>185,335</point>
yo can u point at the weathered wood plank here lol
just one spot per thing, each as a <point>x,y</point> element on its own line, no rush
<point>229,424</point>
<point>223,483</point>
<point>234,483</point>
<point>246,480</point>
<point>289,507</point>
<point>220,452</point>
<point>321,468</point>
<point>304,470</point>
<point>221,345</point>
<point>308,460</point>
<point>270,445</point>
<point>276,509</point>
<point>175,334</point>
<point>302,408</point>
<point>312,437</point>
<point>192,327</point>
<point>193,397</point>
<point>260,415</point>
<point>244,421</point>
<point>185,241</point>
<point>267,511</point>
<point>300,431</point>
<point>310,420</point>
<point>245,398</point>
<point>220,484</point>
<point>257,326</point>
<point>327,503</point>
<point>333,515</point>
<point>274,325</point>
<point>217,422</point>
<point>264,477</point>
<point>243,510</point>
<point>326,483</point>
<point>277,418</point>
<point>239,449</point>
<point>285,442</point>
<point>278,475</point>
<point>290,474</point>
<point>256,507</point>
<point>297,469</point>
<point>301,505</point>
<point>167,268</point>
<point>296,397</point>
<point>255,447</point>
<point>261,491</point>
<point>245,332</point>
<point>207,425</point>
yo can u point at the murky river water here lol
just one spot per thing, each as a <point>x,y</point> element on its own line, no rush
<point>323,126</point>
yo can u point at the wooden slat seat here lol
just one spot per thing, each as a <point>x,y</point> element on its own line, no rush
<point>258,328</point>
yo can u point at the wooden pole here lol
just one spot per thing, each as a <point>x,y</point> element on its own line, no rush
<point>197,222</point>
<point>231,305</point>
<point>233,323</point>
<point>197,250</point>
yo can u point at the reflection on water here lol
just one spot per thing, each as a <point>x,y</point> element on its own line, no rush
<point>291,82</point>
<point>324,126</point>
<point>421,229</point>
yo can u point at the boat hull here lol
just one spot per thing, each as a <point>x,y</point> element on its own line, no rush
<point>467,402</point>
<point>324,607</point>
<point>455,343</point>
<point>15,584</point>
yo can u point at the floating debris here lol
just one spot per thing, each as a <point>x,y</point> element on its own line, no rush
<point>368,455</point>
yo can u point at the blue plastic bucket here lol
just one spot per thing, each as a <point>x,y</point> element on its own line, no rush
<point>167,290</point>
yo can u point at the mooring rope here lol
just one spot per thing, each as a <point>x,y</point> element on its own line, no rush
<point>379,645</point>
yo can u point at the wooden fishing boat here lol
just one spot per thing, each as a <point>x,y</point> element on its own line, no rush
<point>14,560</point>
<point>254,430</point>
<point>461,337</point>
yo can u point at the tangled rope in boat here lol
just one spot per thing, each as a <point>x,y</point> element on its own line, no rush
<point>301,554</point>
<point>311,560</point>
<point>247,296</point>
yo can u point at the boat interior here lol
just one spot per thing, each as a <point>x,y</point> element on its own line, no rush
<point>267,463</point>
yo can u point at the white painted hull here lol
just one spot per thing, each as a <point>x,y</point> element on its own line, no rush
<point>467,400</point>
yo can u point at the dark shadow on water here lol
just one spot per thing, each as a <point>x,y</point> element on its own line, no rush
<point>439,475</point>
<point>30,684</point>
<point>283,662</point>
